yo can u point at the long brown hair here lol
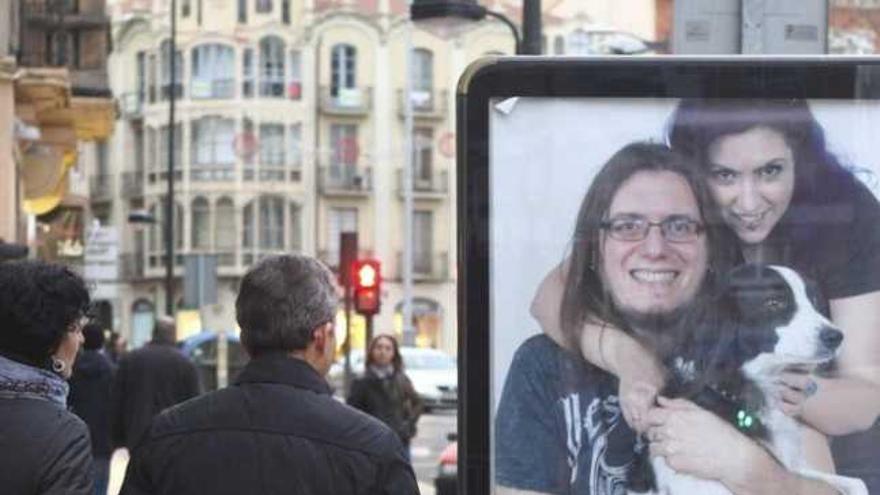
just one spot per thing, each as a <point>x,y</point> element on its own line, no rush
<point>586,298</point>
<point>396,361</point>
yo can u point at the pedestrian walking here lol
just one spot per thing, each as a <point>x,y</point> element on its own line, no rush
<point>148,380</point>
<point>90,400</point>
<point>43,447</point>
<point>385,391</point>
<point>277,429</point>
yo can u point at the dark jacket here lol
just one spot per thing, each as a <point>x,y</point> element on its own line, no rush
<point>393,400</point>
<point>148,380</point>
<point>90,398</point>
<point>44,449</point>
<point>277,430</point>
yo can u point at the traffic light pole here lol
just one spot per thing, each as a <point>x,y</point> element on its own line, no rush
<point>369,329</point>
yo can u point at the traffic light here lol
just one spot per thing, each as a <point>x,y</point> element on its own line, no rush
<point>367,277</point>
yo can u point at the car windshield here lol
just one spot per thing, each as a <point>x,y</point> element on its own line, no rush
<point>428,362</point>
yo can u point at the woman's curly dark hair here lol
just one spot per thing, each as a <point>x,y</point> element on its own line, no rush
<point>39,302</point>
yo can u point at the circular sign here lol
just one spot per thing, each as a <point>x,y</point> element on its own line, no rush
<point>446,144</point>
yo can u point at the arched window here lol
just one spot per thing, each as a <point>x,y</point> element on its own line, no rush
<point>225,214</point>
<point>272,67</point>
<point>343,68</point>
<point>271,223</point>
<point>201,224</point>
<point>213,71</point>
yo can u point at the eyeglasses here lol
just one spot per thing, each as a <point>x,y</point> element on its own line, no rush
<point>631,228</point>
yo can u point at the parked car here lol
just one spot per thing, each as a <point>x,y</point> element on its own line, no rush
<point>433,373</point>
<point>201,348</point>
<point>446,481</point>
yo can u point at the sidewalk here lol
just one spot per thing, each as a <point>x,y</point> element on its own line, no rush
<point>120,461</point>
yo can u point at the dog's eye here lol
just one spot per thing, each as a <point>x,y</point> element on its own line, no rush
<point>774,304</point>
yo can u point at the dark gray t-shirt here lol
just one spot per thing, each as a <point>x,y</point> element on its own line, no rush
<point>559,428</point>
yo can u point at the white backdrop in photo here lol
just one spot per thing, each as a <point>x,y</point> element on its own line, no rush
<point>543,154</point>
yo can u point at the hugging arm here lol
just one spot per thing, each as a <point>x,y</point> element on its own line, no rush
<point>694,441</point>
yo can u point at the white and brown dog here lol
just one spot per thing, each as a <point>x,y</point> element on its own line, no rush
<point>727,358</point>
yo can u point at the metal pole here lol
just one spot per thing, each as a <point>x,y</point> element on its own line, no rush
<point>169,205</point>
<point>531,13</point>
<point>408,332</point>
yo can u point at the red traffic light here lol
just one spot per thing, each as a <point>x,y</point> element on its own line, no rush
<point>367,277</point>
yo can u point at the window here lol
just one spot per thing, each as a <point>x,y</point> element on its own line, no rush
<point>225,229</point>
<point>559,45</point>
<point>344,143</point>
<point>247,73</point>
<point>294,151</point>
<point>271,223</point>
<point>247,227</point>
<point>271,152</point>
<point>264,6</point>
<point>212,148</point>
<point>141,76</point>
<point>242,11</point>
<point>343,65</point>
<point>165,60</point>
<point>101,163</point>
<point>151,77</point>
<point>423,70</point>
<point>139,151</point>
<point>201,224</point>
<point>285,11</point>
<point>150,153</point>
<point>423,152</point>
<point>295,227</point>
<point>163,149</point>
<point>213,72</point>
<point>185,8</point>
<point>294,85</point>
<point>341,220</point>
<point>272,67</point>
<point>60,47</point>
<point>581,43</point>
<point>423,239</point>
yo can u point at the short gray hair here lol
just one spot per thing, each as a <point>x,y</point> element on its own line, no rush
<point>282,300</point>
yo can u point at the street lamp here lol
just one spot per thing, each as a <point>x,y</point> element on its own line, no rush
<point>470,10</point>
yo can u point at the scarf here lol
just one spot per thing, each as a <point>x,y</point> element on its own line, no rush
<point>18,380</point>
<point>382,371</point>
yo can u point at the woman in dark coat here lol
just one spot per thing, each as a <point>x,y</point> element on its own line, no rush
<point>385,391</point>
<point>44,449</point>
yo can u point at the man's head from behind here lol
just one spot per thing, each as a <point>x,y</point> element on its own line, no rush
<point>645,235</point>
<point>288,304</point>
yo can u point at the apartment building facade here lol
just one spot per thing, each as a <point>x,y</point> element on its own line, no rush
<point>289,131</point>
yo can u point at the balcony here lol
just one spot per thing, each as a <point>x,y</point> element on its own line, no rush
<point>427,267</point>
<point>212,173</point>
<point>131,106</point>
<point>346,101</point>
<point>206,89</point>
<point>101,188</point>
<point>431,104</point>
<point>346,180</point>
<point>272,173</point>
<point>131,266</point>
<point>133,185</point>
<point>154,177</point>
<point>51,13</point>
<point>434,186</point>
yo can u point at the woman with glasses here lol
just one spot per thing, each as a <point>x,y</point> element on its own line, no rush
<point>43,447</point>
<point>790,201</point>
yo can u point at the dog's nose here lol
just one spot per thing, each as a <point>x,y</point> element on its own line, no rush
<point>830,337</point>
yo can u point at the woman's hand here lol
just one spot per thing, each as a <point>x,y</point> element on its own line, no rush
<point>641,375</point>
<point>794,389</point>
<point>696,442</point>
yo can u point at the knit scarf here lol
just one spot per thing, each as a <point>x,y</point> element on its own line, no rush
<point>18,380</point>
